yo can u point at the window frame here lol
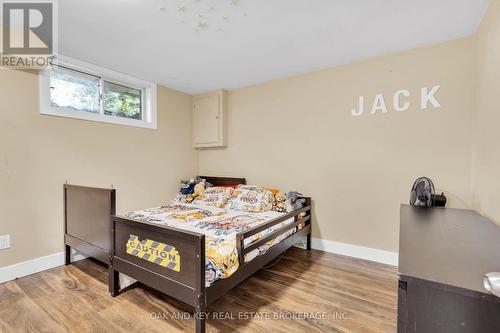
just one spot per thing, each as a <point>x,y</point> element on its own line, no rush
<point>148,95</point>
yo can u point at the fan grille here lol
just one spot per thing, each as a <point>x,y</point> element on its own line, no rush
<point>422,192</point>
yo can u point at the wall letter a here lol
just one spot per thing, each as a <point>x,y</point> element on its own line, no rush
<point>379,104</point>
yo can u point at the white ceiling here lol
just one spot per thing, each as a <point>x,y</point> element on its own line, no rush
<point>235,43</point>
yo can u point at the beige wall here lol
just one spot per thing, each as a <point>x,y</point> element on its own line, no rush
<point>298,133</point>
<point>39,153</point>
<point>486,182</point>
<point>295,133</point>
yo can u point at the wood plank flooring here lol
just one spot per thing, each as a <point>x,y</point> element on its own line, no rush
<point>334,293</point>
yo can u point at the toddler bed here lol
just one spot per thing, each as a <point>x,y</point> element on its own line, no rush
<point>220,227</point>
<point>195,252</point>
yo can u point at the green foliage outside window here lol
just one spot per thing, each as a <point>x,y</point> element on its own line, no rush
<point>81,92</point>
<point>122,101</point>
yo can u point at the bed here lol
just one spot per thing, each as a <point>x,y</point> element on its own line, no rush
<point>170,248</point>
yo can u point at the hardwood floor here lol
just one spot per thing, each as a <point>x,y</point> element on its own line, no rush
<point>335,293</point>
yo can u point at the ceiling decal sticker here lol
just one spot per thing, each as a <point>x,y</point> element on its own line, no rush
<point>204,14</point>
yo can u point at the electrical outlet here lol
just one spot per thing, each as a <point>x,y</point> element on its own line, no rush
<point>4,242</point>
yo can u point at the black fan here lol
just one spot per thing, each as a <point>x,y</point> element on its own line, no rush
<point>423,194</point>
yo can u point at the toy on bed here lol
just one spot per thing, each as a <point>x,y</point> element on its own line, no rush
<point>279,204</point>
<point>289,202</point>
<point>295,200</point>
<point>197,191</point>
<point>186,186</point>
<point>192,188</point>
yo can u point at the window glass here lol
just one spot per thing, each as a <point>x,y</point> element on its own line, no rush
<point>122,101</point>
<point>74,90</point>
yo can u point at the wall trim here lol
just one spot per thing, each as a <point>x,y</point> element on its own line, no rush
<point>25,268</point>
<point>356,251</point>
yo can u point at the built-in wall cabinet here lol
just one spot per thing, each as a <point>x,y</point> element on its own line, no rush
<point>210,120</point>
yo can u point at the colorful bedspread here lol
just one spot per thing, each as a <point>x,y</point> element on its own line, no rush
<point>220,228</point>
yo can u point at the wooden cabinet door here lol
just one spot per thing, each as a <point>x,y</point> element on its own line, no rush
<point>430,307</point>
<point>206,116</point>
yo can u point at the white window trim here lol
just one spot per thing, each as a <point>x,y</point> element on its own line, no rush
<point>148,89</point>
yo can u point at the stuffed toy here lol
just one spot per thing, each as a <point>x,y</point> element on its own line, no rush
<point>189,198</point>
<point>198,189</point>
<point>295,201</point>
<point>279,204</point>
<point>187,186</point>
<point>192,188</point>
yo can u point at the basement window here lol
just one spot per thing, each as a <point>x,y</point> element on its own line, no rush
<point>78,90</point>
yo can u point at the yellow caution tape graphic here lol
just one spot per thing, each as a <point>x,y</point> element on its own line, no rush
<point>155,252</point>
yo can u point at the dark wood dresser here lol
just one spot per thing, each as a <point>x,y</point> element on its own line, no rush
<point>443,256</point>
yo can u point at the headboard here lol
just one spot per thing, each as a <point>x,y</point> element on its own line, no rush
<point>224,180</point>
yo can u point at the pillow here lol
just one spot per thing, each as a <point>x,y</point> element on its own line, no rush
<point>233,186</point>
<point>219,190</point>
<point>215,196</point>
<point>274,191</point>
<point>252,199</point>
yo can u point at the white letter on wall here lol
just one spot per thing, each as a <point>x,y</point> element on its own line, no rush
<point>379,104</point>
<point>397,102</point>
<point>361,107</point>
<point>427,97</point>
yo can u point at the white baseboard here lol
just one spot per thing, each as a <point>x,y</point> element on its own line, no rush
<point>361,252</point>
<point>33,266</point>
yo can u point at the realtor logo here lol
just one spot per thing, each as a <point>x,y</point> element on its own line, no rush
<point>29,31</point>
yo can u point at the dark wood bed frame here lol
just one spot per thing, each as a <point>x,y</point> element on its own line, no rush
<point>91,227</point>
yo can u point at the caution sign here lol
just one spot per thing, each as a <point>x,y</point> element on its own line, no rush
<point>155,252</point>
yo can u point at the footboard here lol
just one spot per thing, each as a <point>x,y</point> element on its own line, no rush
<point>169,260</point>
<point>301,217</point>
